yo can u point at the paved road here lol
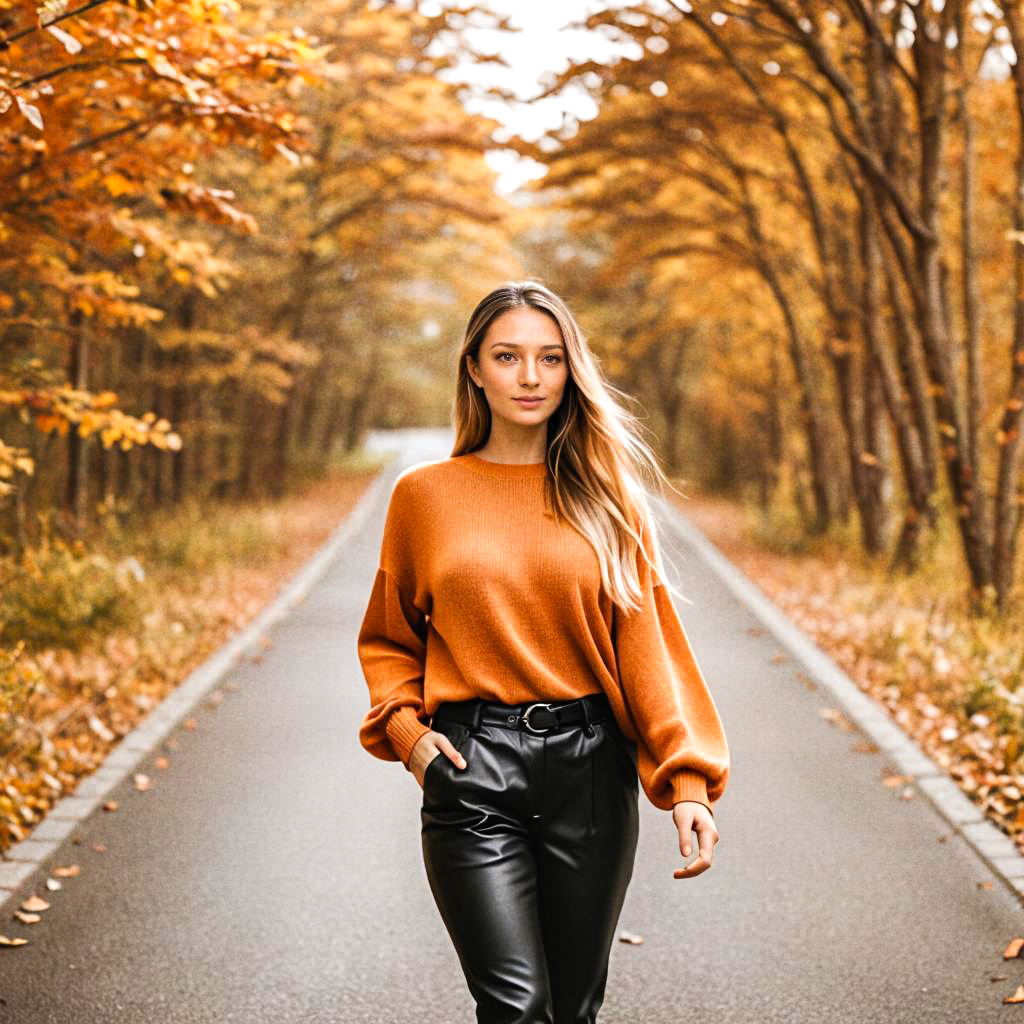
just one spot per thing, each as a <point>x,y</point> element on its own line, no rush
<point>273,873</point>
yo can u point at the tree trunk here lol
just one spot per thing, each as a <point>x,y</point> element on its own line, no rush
<point>76,485</point>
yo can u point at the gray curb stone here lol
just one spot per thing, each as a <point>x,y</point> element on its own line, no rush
<point>995,849</point>
<point>13,873</point>
<point>28,857</point>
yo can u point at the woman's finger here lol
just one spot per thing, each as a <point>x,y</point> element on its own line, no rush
<point>707,836</point>
<point>695,867</point>
<point>449,748</point>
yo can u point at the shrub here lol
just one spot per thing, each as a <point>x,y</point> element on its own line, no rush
<point>61,596</point>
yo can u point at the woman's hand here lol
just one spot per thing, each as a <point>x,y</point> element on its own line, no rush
<point>426,748</point>
<point>692,815</point>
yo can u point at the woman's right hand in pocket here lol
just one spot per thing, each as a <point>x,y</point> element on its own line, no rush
<point>427,747</point>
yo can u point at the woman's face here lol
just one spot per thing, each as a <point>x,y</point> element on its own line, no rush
<point>521,356</point>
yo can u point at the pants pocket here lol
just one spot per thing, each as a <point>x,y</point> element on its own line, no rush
<point>441,762</point>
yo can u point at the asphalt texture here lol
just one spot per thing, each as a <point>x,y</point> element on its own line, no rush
<point>273,875</point>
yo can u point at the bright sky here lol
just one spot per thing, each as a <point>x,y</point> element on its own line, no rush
<point>544,44</point>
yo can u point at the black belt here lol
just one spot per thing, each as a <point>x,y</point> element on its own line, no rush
<point>537,716</point>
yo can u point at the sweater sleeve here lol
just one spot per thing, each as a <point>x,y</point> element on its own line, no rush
<point>392,640</point>
<point>682,751</point>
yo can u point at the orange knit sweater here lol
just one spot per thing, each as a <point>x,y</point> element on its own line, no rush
<point>480,594</point>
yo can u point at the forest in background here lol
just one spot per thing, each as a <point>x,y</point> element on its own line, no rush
<point>234,235</point>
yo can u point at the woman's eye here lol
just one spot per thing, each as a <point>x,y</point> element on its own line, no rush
<point>501,355</point>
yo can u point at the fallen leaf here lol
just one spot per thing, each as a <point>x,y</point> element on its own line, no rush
<point>110,805</point>
<point>864,746</point>
<point>161,762</point>
<point>5,941</point>
<point>100,847</point>
<point>836,717</point>
<point>1013,949</point>
<point>27,918</point>
<point>71,871</point>
<point>34,903</point>
<point>53,885</point>
<point>1017,997</point>
<point>895,780</point>
<point>189,724</point>
<point>630,937</point>
<point>101,730</point>
<point>141,781</point>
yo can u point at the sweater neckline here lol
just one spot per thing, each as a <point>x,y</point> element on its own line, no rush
<point>502,469</point>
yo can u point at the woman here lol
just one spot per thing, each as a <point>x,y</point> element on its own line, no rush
<point>526,664</point>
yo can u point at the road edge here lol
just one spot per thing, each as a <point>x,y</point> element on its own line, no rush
<point>994,848</point>
<point>26,860</point>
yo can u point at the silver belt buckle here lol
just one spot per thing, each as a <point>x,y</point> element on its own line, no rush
<point>526,719</point>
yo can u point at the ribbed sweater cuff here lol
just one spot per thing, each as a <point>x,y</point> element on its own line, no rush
<point>403,730</point>
<point>689,785</point>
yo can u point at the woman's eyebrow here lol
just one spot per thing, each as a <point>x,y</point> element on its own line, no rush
<point>515,344</point>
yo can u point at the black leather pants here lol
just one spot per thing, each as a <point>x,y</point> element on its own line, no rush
<point>529,851</point>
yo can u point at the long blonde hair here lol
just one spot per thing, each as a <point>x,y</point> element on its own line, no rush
<point>596,459</point>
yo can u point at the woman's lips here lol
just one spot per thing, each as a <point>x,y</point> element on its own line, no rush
<point>529,402</point>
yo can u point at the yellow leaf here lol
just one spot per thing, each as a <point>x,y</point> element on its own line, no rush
<point>118,184</point>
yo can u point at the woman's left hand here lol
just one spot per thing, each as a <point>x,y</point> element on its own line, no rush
<point>691,815</point>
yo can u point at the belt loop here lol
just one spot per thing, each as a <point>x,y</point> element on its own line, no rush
<point>588,729</point>
<point>477,716</point>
